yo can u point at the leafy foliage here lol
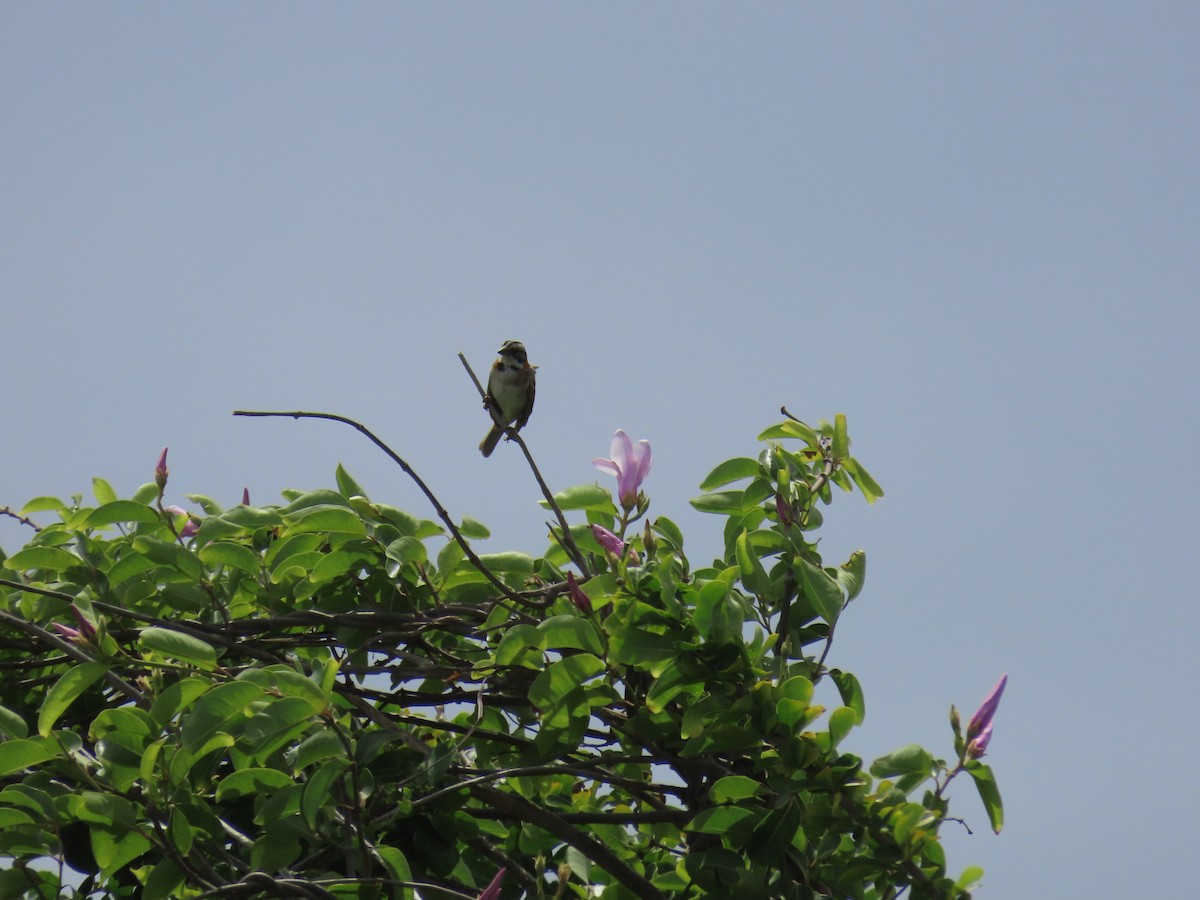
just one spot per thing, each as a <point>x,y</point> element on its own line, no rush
<point>334,697</point>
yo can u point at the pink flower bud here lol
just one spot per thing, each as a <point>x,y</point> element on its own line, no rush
<point>492,891</point>
<point>161,472</point>
<point>578,597</point>
<point>979,729</point>
<point>608,540</point>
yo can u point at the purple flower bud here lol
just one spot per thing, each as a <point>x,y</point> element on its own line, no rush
<point>492,891</point>
<point>981,723</point>
<point>71,634</point>
<point>86,630</point>
<point>978,745</point>
<point>608,540</point>
<point>245,496</point>
<point>161,472</point>
<point>190,528</point>
<point>630,463</point>
<point>578,597</point>
<point>784,510</point>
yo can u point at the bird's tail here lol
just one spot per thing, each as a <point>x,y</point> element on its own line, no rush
<point>489,443</point>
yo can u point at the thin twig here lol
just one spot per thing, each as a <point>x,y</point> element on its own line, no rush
<point>566,540</point>
<point>408,470</point>
<point>5,511</point>
<point>75,653</point>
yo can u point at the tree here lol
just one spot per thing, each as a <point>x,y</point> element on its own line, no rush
<point>337,698</point>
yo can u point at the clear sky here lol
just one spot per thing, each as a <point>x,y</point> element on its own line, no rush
<point>971,227</point>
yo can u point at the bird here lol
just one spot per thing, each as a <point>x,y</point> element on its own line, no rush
<point>510,392</point>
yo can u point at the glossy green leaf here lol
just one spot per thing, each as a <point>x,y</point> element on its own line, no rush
<point>571,632</point>
<point>42,504</point>
<point>852,573</point>
<point>820,590</point>
<point>841,720</point>
<point>841,438</point>
<point>474,530</point>
<point>398,869</point>
<point>516,563</point>
<point>869,486</point>
<point>407,550</point>
<point>228,553</point>
<point>347,486</point>
<point>970,878</point>
<point>791,429</point>
<point>41,558</point>
<point>66,691</point>
<point>667,686</point>
<point>176,698</point>
<point>12,725</point>
<point>773,835</point>
<point>522,645</point>
<point>318,788</point>
<point>251,782</point>
<point>584,496</point>
<point>326,519</point>
<point>754,577</point>
<point>989,793</point>
<point>122,511</point>
<point>562,677</point>
<point>103,491</point>
<point>851,692</point>
<point>731,470</point>
<point>179,646</point>
<point>722,502</point>
<point>732,788</point>
<point>910,765</point>
<point>225,707</point>
<point>16,755</point>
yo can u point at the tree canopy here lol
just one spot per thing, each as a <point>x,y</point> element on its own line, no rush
<point>334,697</point>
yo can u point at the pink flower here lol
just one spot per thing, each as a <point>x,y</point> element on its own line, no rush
<point>608,540</point>
<point>245,496</point>
<point>630,463</point>
<point>979,729</point>
<point>492,891</point>
<point>578,597</point>
<point>190,528</point>
<point>161,472</point>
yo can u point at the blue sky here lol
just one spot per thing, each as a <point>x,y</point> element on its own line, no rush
<point>970,227</point>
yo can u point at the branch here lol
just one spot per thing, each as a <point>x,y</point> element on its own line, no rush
<point>597,852</point>
<point>568,542</point>
<point>408,470</point>
<point>5,511</point>
<point>72,651</point>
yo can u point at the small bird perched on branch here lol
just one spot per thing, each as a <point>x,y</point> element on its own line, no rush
<point>510,391</point>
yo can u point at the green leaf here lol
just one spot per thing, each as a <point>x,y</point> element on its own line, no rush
<point>122,511</point>
<point>669,530</point>
<point>731,470</point>
<point>969,879</point>
<point>667,686</point>
<point>169,553</point>
<point>910,765</point>
<point>869,486</point>
<point>734,787</point>
<point>12,725</point>
<point>66,691</point>
<point>584,496</point>
<point>42,504</point>
<point>821,590</point>
<point>791,429</point>
<point>347,486</point>
<point>571,632</point>
<point>989,793</point>
<point>117,848</point>
<point>474,530</point>
<point>176,698</point>
<point>229,553</point>
<point>841,439</point>
<point>562,677</point>
<point>251,782</point>
<point>318,787</point>
<point>224,708</point>
<point>25,754</point>
<point>725,820</point>
<point>397,866</point>
<point>517,563</point>
<point>851,692</point>
<point>103,491</point>
<point>41,558</point>
<point>722,502</point>
<point>522,645</point>
<point>852,573</point>
<point>773,835</point>
<point>406,550</point>
<point>326,518</point>
<point>754,577</point>
<point>180,646</point>
<point>841,720</point>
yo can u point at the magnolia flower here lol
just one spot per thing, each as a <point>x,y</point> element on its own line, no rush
<point>492,891</point>
<point>190,528</point>
<point>578,597</point>
<point>979,729</point>
<point>630,464</point>
<point>608,540</point>
<point>161,472</point>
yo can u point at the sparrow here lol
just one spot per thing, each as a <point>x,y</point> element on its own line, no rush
<point>510,391</point>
